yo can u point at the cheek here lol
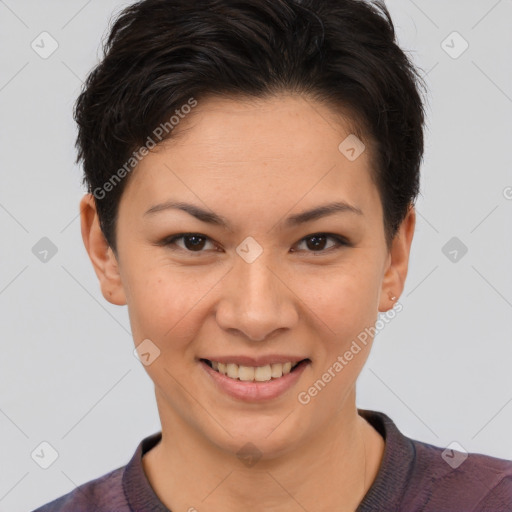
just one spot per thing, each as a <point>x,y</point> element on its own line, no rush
<point>164,303</point>
<point>343,300</point>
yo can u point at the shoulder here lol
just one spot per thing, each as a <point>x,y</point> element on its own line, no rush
<point>448,478</point>
<point>102,494</point>
<point>415,475</point>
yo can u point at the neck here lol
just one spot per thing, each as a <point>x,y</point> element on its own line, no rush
<point>331,471</point>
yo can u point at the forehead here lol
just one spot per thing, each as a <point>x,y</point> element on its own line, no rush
<point>283,126</point>
<point>279,148</point>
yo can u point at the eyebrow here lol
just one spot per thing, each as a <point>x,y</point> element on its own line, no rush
<point>293,220</point>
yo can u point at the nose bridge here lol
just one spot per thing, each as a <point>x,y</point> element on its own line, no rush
<point>257,302</point>
<point>257,284</point>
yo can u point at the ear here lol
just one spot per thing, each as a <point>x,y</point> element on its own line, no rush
<point>100,253</point>
<point>398,262</point>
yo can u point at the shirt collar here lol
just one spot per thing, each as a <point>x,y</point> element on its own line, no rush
<point>137,489</point>
<point>388,487</point>
<point>396,466</point>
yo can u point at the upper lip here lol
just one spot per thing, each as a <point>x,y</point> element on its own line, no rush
<point>256,361</point>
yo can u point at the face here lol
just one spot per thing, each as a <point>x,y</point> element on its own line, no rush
<point>262,281</point>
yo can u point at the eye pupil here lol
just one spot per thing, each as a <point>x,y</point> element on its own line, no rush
<point>199,241</point>
<point>319,241</point>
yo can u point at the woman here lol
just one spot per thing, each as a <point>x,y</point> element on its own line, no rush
<point>252,168</point>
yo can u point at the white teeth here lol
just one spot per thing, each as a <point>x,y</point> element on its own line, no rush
<point>232,370</point>
<point>277,370</point>
<point>262,373</point>
<point>257,373</point>
<point>246,372</point>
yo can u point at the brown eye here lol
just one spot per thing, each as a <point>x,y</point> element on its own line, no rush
<point>318,241</point>
<point>192,242</point>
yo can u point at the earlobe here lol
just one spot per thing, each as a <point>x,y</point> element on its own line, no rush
<point>100,253</point>
<point>398,262</point>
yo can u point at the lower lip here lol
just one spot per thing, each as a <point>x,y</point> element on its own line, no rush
<point>251,391</point>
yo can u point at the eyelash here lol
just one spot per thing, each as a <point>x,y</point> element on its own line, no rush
<point>171,241</point>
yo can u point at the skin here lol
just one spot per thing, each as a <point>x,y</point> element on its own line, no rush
<point>255,162</point>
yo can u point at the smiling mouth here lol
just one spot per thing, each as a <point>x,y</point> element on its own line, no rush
<point>255,373</point>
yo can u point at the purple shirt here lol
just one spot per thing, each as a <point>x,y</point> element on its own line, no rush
<point>414,476</point>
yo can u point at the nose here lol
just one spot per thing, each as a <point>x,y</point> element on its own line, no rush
<point>256,301</point>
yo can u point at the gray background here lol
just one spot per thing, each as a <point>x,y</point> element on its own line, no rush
<point>441,369</point>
